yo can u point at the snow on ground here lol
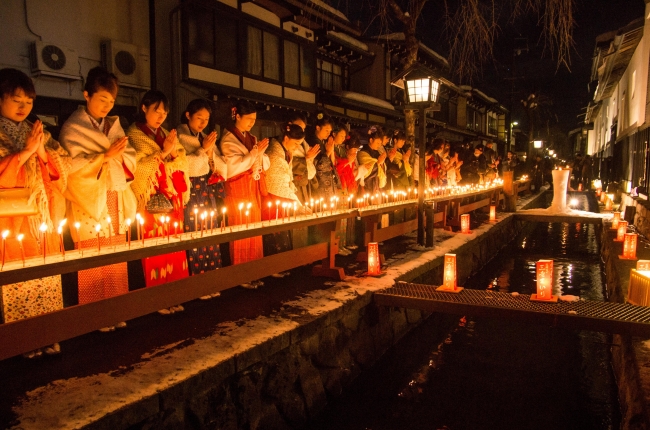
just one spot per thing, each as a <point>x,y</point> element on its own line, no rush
<point>77,402</point>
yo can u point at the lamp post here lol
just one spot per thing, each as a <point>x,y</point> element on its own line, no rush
<point>512,126</point>
<point>421,90</point>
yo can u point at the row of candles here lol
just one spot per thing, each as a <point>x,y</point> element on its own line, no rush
<point>284,211</point>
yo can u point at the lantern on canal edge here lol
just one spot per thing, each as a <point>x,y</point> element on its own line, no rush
<point>493,213</point>
<point>615,220</point>
<point>620,231</point>
<point>464,224</point>
<point>629,247</point>
<point>544,270</point>
<point>643,265</point>
<point>449,275</point>
<point>374,264</point>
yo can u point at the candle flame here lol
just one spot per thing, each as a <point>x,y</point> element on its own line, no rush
<point>77,225</point>
<point>43,227</point>
<point>5,234</point>
<point>20,237</point>
<point>98,227</point>
<point>128,222</point>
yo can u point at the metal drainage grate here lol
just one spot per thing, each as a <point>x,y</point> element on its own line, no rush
<point>583,315</point>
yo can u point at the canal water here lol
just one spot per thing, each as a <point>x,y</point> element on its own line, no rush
<point>497,374</point>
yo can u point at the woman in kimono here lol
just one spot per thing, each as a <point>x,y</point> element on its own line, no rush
<point>327,183</point>
<point>398,167</point>
<point>280,187</point>
<point>303,161</point>
<point>371,162</point>
<point>98,193</point>
<point>161,185</point>
<point>207,172</point>
<point>29,158</point>
<point>246,163</point>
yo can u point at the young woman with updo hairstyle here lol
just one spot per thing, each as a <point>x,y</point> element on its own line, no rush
<point>372,162</point>
<point>29,159</point>
<point>162,174</point>
<point>398,167</point>
<point>103,166</point>
<point>246,163</point>
<point>303,160</point>
<point>280,186</point>
<point>207,171</point>
<point>327,183</point>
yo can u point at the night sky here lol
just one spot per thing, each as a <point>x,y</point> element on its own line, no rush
<point>565,91</point>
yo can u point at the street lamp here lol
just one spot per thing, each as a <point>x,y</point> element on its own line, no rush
<point>421,90</point>
<point>512,126</point>
<point>537,144</point>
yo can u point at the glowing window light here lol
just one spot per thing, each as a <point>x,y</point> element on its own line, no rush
<point>643,265</point>
<point>620,231</point>
<point>615,220</point>
<point>464,224</point>
<point>374,264</point>
<point>629,246</point>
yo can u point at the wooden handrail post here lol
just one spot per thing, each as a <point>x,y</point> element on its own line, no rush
<point>510,190</point>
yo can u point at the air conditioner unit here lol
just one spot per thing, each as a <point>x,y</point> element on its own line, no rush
<point>54,60</point>
<point>128,62</point>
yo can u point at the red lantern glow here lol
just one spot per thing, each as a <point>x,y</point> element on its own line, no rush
<point>629,246</point>
<point>620,231</point>
<point>615,220</point>
<point>493,213</point>
<point>643,265</point>
<point>374,265</point>
<point>464,224</point>
<point>544,281</point>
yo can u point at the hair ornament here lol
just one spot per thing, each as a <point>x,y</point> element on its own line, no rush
<point>233,112</point>
<point>319,116</point>
<point>372,129</point>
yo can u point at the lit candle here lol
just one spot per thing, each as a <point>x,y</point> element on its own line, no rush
<point>142,229</point>
<point>20,244</point>
<point>295,206</point>
<point>241,218</point>
<point>137,224</point>
<point>277,205</point>
<point>247,218</point>
<point>203,216</point>
<point>211,222</point>
<point>43,229</point>
<point>196,219</point>
<point>284,210</point>
<point>175,229</point>
<point>110,237</point>
<point>269,214</point>
<point>77,225</point>
<point>60,231</point>
<point>98,227</point>
<point>223,218</point>
<point>4,246</point>
<point>128,231</point>
<point>167,219</point>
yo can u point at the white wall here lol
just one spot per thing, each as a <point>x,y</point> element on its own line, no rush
<point>77,24</point>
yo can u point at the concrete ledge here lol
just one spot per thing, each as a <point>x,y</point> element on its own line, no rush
<point>270,372</point>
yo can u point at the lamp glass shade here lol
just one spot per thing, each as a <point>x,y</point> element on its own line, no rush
<point>544,279</point>
<point>629,246</point>
<point>449,275</point>
<point>422,89</point>
<point>621,230</point>
<point>464,223</point>
<point>537,144</point>
<point>493,213</point>
<point>615,219</point>
<point>374,264</point>
<point>643,265</point>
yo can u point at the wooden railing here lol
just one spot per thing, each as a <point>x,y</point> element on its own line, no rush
<point>24,335</point>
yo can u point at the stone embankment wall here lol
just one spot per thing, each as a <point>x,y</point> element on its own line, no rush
<point>630,355</point>
<point>274,372</point>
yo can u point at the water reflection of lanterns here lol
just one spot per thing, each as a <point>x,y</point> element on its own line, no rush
<point>544,269</point>
<point>449,275</point>
<point>464,224</point>
<point>374,264</point>
<point>615,220</point>
<point>620,231</point>
<point>629,246</point>
<point>493,213</point>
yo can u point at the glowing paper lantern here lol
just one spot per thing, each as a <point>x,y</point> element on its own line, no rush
<point>464,224</point>
<point>629,246</point>
<point>620,231</point>
<point>544,281</point>
<point>449,275</point>
<point>643,265</point>
<point>615,220</point>
<point>493,213</point>
<point>374,264</point>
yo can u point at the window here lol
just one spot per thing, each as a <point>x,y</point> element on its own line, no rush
<point>263,54</point>
<point>207,47</point>
<point>492,125</point>
<point>331,76</point>
<point>298,65</point>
